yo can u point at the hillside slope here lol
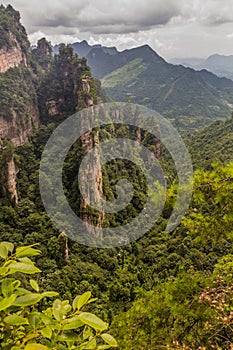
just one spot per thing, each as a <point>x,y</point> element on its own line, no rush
<point>212,144</point>
<point>190,99</point>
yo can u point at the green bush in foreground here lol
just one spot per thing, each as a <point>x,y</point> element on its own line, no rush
<point>23,325</point>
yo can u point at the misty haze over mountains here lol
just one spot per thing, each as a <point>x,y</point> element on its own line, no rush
<point>220,65</point>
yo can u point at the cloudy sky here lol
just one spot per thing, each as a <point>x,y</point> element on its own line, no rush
<point>174,28</point>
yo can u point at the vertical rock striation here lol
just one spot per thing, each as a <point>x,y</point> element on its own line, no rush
<point>19,114</point>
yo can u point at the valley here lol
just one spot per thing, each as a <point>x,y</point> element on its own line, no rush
<point>165,290</point>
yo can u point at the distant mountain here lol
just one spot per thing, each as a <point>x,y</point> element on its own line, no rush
<point>220,65</point>
<point>104,60</point>
<point>188,98</point>
<point>191,62</point>
<point>97,55</point>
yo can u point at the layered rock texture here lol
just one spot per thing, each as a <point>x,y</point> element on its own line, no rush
<point>37,87</point>
<point>18,103</point>
<point>8,172</point>
<point>67,85</point>
<point>19,114</point>
<point>13,56</point>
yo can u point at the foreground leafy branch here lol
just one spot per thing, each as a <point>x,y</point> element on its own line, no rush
<point>23,325</point>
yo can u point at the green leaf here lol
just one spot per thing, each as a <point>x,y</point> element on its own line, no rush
<point>34,346</point>
<point>109,339</point>
<point>3,252</point>
<point>26,260</point>
<point>73,323</point>
<point>26,251</point>
<point>27,300</point>
<point>83,300</point>
<point>75,302</point>
<point>30,337</point>
<point>49,294</point>
<point>9,246</point>
<point>3,271</point>
<point>46,332</point>
<point>7,287</point>
<point>92,300</point>
<point>15,320</point>
<point>57,310</point>
<point>34,320</point>
<point>7,302</point>
<point>93,321</point>
<point>34,285</point>
<point>46,319</point>
<point>91,344</point>
<point>24,268</point>
<point>22,291</point>
<point>87,333</point>
<point>67,337</point>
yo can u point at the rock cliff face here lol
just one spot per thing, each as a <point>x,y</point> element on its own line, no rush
<point>17,129</point>
<point>42,54</point>
<point>11,56</point>
<point>11,172</point>
<point>67,86</point>
<point>93,174</point>
<point>18,105</point>
<point>8,172</point>
<point>60,86</point>
<point>18,102</point>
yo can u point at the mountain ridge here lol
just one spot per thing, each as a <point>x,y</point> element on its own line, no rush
<point>190,99</point>
<point>221,65</point>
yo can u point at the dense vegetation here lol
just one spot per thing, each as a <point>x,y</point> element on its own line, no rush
<point>192,308</point>
<point>195,255</point>
<point>212,144</point>
<point>166,290</point>
<point>28,325</point>
<point>9,23</point>
<point>17,94</point>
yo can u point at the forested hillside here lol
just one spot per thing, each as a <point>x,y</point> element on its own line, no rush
<point>212,144</point>
<point>165,290</point>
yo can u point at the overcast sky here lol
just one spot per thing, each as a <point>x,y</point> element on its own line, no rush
<point>173,28</point>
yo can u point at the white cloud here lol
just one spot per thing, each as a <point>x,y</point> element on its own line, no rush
<point>171,27</point>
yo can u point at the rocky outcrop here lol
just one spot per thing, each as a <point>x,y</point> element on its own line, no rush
<point>11,172</point>
<point>67,86</point>
<point>86,92</point>
<point>19,114</point>
<point>52,107</point>
<point>155,142</point>
<point>42,54</point>
<point>18,103</point>
<point>8,172</point>
<point>11,56</point>
<point>17,128</point>
<point>63,240</point>
<point>94,175</point>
